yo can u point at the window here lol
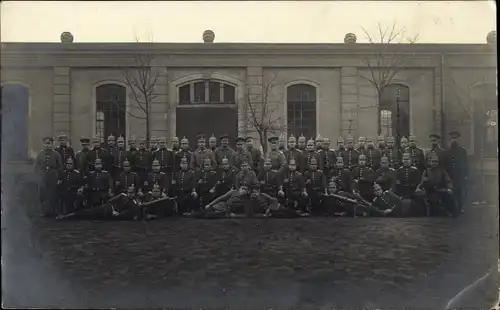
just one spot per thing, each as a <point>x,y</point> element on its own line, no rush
<point>394,107</point>
<point>207,92</point>
<point>301,110</point>
<point>110,111</point>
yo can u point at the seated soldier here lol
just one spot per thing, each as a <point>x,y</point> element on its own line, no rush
<point>226,178</point>
<point>70,187</point>
<point>184,185</point>
<point>385,203</point>
<point>363,179</point>
<point>339,203</point>
<point>126,179</point>
<point>246,176</point>
<point>315,185</point>
<point>231,204</point>
<point>154,177</point>
<point>408,178</point>
<point>342,176</point>
<point>206,181</point>
<point>385,176</point>
<point>128,208</point>
<point>438,188</point>
<point>292,191</point>
<point>99,185</point>
<point>157,204</point>
<point>268,179</point>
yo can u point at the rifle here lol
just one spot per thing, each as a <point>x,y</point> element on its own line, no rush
<point>142,205</point>
<point>92,210</point>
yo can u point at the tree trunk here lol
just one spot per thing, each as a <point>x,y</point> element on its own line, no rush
<point>263,141</point>
<point>148,131</point>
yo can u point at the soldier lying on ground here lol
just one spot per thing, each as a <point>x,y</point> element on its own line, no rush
<point>157,204</point>
<point>340,203</point>
<point>385,203</point>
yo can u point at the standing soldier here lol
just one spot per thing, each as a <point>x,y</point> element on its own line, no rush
<point>381,144</point>
<point>175,145</point>
<point>48,164</point>
<point>206,180</point>
<point>70,183</point>
<point>351,156</point>
<point>255,153</point>
<point>393,153</point>
<point>126,179</point>
<point>181,153</point>
<point>132,141</point>
<point>241,154</point>
<point>292,188</point>
<point>98,152</point>
<point>416,153</point>
<point>153,144</point>
<point>64,150</point>
<point>385,176</point>
<point>155,177</point>
<point>363,178</point>
<point>83,157</point>
<point>212,143</point>
<point>268,179</point>
<point>372,155</point>
<point>408,178</point>
<point>142,160</point>
<point>184,185</point>
<point>457,166</point>
<point>246,176</point>
<point>224,151</point>
<point>99,185</point>
<point>165,157</point>
<point>340,147</point>
<point>282,143</point>
<point>119,155</point>
<point>328,156</point>
<point>310,154</point>
<point>302,141</point>
<point>226,177</point>
<point>293,153</point>
<point>201,152</point>
<point>342,176</point>
<point>318,143</point>
<point>112,144</point>
<point>315,184</point>
<point>435,148</point>
<point>361,145</point>
<point>277,157</point>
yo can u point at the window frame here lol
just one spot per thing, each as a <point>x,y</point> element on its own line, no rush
<point>391,104</point>
<point>108,119</point>
<point>206,102</point>
<point>297,105</point>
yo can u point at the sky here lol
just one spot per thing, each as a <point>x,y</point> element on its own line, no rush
<point>245,21</point>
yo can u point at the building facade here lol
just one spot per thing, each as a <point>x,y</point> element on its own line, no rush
<point>81,89</point>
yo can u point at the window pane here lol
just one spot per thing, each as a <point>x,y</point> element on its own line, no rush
<point>229,94</point>
<point>185,94</point>
<point>214,92</point>
<point>199,92</point>
<point>301,92</point>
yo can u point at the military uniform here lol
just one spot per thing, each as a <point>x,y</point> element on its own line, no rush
<point>240,156</point>
<point>247,178</point>
<point>386,178</point>
<point>98,152</point>
<point>328,159</point>
<point>65,151</point>
<point>127,179</point>
<point>316,185</point>
<point>293,186</point>
<point>153,178</point>
<point>99,185</point>
<point>298,156</point>
<point>394,155</point>
<point>373,157</point>
<point>128,208</point>
<point>198,157</point>
<point>142,162</point>
<point>206,180</point>
<point>417,157</point>
<point>436,183</point>
<point>388,202</point>
<point>455,162</point>
<point>165,158</point>
<point>256,155</point>
<point>268,180</point>
<point>351,158</point>
<point>48,164</point>
<point>407,180</point>
<point>70,181</point>
<point>226,180</point>
<point>343,179</point>
<point>82,159</point>
<point>309,156</point>
<point>119,155</point>
<point>185,185</point>
<point>364,177</point>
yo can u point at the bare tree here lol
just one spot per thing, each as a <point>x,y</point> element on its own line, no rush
<point>383,62</point>
<point>262,114</point>
<point>142,79</point>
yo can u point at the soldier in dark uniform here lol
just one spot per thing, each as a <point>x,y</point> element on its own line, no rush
<point>361,145</point>
<point>318,143</point>
<point>241,154</point>
<point>212,143</point>
<point>132,142</point>
<point>82,157</point>
<point>128,208</point>
<point>181,153</point>
<point>293,153</point>
<point>282,143</point>
<point>385,203</point>
<point>184,185</point>
<point>311,153</point>
<point>408,178</point>
<point>340,147</point>
<point>98,152</point>
<point>342,176</point>
<point>155,210</point>
<point>201,153</point>
<point>48,165</point>
<point>126,179</point>
<point>268,179</point>
<point>435,149</point>
<point>292,190</point>
<point>246,176</point>
<point>333,205</point>
<point>301,143</point>
<point>175,145</point>
<point>328,157</point>
<point>416,153</point>
<point>438,187</point>
<point>64,150</point>
<point>315,185</point>
<point>230,204</point>
<point>385,176</point>
<point>256,155</point>
<point>119,155</point>
<point>206,180</point>
<point>277,157</point>
<point>351,156</point>
<point>153,144</point>
<point>70,184</point>
<point>99,185</point>
<point>224,151</point>
<point>457,166</point>
<point>112,144</point>
<point>363,179</point>
<point>155,177</point>
<point>372,155</point>
<point>381,145</point>
<point>226,177</point>
<point>142,160</point>
<point>165,157</point>
<point>393,153</point>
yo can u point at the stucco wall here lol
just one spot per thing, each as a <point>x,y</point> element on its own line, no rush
<point>39,82</point>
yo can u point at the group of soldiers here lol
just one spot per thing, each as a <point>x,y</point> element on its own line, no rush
<point>298,177</point>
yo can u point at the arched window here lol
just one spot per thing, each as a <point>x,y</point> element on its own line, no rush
<point>15,113</point>
<point>110,111</point>
<point>485,120</point>
<point>301,110</point>
<point>207,92</point>
<point>394,110</point>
